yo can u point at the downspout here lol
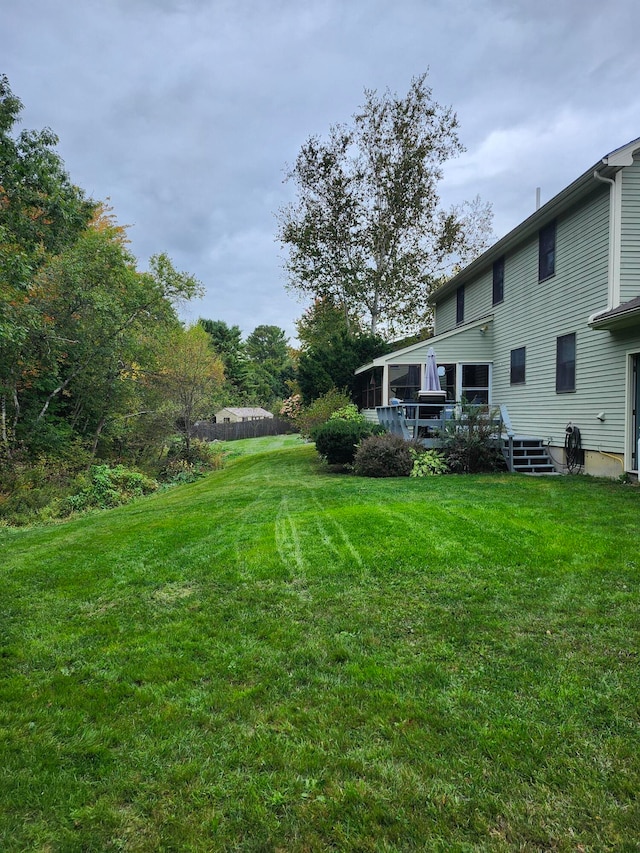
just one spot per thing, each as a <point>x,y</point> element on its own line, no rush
<point>613,289</point>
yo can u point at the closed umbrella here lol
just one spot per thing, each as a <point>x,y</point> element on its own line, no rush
<point>432,380</point>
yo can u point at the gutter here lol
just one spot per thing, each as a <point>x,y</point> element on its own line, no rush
<point>613,288</point>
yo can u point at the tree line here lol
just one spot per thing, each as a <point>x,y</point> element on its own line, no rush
<point>93,355</point>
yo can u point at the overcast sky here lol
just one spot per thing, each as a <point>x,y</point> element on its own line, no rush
<point>185,113</point>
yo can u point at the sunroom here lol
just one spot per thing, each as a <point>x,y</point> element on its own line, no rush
<point>464,359</point>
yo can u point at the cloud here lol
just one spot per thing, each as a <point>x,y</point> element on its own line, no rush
<point>185,112</point>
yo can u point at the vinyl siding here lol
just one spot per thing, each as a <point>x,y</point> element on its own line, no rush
<point>477,303</point>
<point>533,314</point>
<point>445,314</point>
<point>469,345</point>
<point>630,233</point>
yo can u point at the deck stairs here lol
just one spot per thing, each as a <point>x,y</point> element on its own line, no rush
<point>523,454</point>
<point>528,455</point>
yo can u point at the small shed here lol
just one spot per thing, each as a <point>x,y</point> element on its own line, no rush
<point>239,414</point>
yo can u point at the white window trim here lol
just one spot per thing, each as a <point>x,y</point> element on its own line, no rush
<point>460,365</point>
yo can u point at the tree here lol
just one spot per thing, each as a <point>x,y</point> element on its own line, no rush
<point>270,362</point>
<point>333,364</point>
<point>189,375</point>
<point>91,313</point>
<point>227,342</point>
<point>367,231</point>
<point>41,213</point>
<point>323,320</point>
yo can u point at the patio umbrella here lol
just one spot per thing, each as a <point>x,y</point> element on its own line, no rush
<point>432,380</point>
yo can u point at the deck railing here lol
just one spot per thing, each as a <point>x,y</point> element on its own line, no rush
<point>426,422</point>
<point>423,421</point>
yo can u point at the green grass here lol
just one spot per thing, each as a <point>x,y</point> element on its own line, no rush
<point>278,659</point>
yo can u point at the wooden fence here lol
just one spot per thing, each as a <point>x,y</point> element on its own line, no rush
<point>244,429</point>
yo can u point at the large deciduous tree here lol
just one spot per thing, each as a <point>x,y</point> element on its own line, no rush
<point>367,230</point>
<point>190,373</point>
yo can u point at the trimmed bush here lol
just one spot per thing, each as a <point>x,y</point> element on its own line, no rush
<point>348,413</point>
<point>385,455</point>
<point>336,440</point>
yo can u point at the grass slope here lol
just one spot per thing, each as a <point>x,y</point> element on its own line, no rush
<point>276,659</point>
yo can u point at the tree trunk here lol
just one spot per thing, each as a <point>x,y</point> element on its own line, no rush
<point>96,437</point>
<point>4,421</point>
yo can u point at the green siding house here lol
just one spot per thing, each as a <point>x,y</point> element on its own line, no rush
<point>546,324</point>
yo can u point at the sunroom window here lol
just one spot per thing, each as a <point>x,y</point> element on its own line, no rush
<point>475,383</point>
<point>404,381</point>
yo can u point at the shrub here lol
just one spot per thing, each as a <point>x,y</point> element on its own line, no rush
<point>185,466</point>
<point>427,463</point>
<point>336,440</point>
<point>349,412</point>
<point>291,408</point>
<point>321,410</point>
<point>469,443</point>
<point>108,487</point>
<point>385,455</point>
<point>31,489</point>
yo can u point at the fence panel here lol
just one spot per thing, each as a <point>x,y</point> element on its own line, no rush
<point>244,429</point>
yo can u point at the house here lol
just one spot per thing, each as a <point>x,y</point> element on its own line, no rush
<point>546,324</point>
<point>235,415</point>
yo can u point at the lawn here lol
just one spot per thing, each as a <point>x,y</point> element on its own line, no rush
<point>279,659</point>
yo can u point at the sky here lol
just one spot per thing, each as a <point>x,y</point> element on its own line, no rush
<point>185,114</point>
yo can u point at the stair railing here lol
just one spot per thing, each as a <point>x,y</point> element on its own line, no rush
<point>505,427</point>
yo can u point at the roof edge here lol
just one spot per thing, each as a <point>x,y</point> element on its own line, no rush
<point>582,186</point>
<point>380,360</point>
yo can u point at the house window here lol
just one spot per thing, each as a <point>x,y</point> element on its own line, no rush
<point>518,361</point>
<point>547,251</point>
<point>226,420</point>
<point>404,381</point>
<point>498,281</point>
<point>566,363</point>
<point>460,304</point>
<point>475,383</point>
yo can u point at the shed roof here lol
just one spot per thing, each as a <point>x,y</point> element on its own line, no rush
<point>247,411</point>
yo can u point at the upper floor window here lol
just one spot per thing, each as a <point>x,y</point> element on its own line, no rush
<point>460,304</point>
<point>547,251</point>
<point>518,364</point>
<point>566,363</point>
<point>498,281</point>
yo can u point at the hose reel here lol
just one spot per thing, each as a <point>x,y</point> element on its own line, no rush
<point>574,453</point>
